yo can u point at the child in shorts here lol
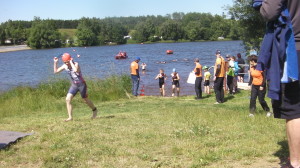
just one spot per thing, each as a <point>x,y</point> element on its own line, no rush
<point>161,81</point>
<point>206,80</point>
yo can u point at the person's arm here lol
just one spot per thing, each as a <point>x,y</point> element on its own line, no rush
<point>74,66</point>
<point>218,70</point>
<point>157,77</point>
<point>197,71</point>
<point>250,80</point>
<point>271,9</point>
<point>137,71</point>
<point>178,78</point>
<point>264,78</point>
<point>55,69</point>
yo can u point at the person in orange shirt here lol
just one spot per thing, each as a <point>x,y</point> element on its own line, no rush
<point>219,74</point>
<point>258,88</point>
<point>198,81</point>
<point>135,76</point>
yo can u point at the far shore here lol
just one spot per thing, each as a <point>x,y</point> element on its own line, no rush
<point>13,48</point>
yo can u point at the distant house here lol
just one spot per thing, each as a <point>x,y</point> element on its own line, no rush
<point>8,41</point>
<point>220,38</point>
<point>127,37</point>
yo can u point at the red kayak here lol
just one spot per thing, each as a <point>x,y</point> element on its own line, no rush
<point>121,55</point>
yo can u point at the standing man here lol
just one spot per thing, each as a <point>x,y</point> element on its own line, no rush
<point>78,83</point>
<point>135,76</point>
<point>219,74</point>
<point>198,81</point>
<point>241,70</point>
<point>285,102</point>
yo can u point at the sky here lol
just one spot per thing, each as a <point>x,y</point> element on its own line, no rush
<point>76,9</point>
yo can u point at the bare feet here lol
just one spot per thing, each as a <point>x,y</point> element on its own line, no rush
<point>69,119</point>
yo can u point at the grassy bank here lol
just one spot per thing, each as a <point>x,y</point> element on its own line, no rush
<point>144,132</point>
<point>50,96</point>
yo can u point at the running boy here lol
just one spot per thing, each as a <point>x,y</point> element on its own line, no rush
<point>77,83</point>
<point>161,81</point>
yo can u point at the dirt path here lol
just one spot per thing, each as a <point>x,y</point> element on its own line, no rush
<point>13,48</point>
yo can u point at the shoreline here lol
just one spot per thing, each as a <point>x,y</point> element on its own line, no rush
<point>12,48</point>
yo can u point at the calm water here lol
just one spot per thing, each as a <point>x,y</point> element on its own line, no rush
<point>31,67</point>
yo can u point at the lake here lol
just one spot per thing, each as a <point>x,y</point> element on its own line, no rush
<point>30,67</point>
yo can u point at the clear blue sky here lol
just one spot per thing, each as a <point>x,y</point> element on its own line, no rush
<point>75,9</point>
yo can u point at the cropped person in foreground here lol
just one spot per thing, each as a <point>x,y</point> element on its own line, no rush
<point>280,58</point>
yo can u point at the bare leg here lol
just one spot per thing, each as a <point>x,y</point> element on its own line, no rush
<point>69,106</point>
<point>92,106</point>
<point>173,90</point>
<point>178,90</point>
<point>163,90</point>
<point>293,134</point>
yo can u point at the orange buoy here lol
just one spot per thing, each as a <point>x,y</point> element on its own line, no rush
<point>169,51</point>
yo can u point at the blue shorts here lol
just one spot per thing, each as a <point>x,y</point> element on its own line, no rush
<point>78,87</point>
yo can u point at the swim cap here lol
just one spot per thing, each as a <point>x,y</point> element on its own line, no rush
<point>174,70</point>
<point>218,52</point>
<point>205,67</point>
<point>137,58</point>
<point>196,60</point>
<point>66,57</point>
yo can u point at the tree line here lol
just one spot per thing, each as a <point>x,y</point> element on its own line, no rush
<point>243,25</point>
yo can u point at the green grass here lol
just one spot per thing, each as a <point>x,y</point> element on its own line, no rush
<point>141,132</point>
<point>50,96</point>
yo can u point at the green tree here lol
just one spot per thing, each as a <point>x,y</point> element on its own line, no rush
<point>2,35</point>
<point>144,30</point>
<point>194,31</point>
<point>235,30</point>
<point>249,21</point>
<point>220,27</point>
<point>85,36</point>
<point>43,34</point>
<point>171,30</point>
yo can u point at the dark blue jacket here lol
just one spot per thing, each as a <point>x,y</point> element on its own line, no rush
<point>277,48</point>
